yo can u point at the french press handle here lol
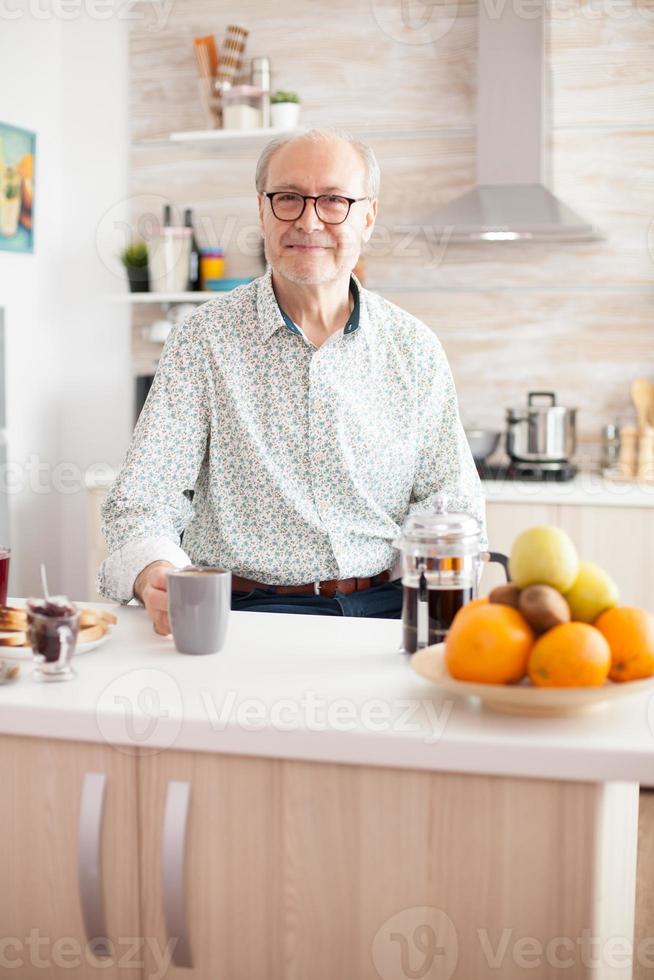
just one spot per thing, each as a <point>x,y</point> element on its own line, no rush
<point>496,557</point>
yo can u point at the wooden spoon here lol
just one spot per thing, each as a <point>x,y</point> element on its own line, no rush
<point>641,396</point>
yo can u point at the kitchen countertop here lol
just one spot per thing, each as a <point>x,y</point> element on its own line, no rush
<point>587,487</point>
<point>314,688</point>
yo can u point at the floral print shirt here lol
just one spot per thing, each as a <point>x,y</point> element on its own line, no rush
<point>286,463</point>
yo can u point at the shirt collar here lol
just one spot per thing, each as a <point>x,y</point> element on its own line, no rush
<point>271,316</point>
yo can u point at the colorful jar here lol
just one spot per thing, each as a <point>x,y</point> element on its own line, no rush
<point>212,265</point>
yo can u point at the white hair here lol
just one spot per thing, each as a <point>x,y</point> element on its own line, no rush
<point>365,152</point>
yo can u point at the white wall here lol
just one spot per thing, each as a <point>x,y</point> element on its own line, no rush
<point>69,393</point>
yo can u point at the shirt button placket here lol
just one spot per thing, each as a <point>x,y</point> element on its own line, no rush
<point>318,429</point>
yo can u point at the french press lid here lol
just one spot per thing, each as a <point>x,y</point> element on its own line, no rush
<point>438,533</point>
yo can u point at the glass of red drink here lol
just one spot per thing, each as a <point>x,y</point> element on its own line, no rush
<point>5,554</point>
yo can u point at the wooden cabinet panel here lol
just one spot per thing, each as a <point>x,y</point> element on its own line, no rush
<point>41,921</point>
<point>233,876</point>
<point>621,540</point>
<point>311,871</point>
<point>644,937</point>
<point>391,868</point>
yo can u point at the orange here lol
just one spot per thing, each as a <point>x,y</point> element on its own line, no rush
<point>570,655</point>
<point>481,601</point>
<point>489,644</point>
<point>630,634</point>
<point>473,604</point>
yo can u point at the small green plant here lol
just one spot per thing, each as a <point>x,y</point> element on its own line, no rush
<point>135,256</point>
<point>280,96</point>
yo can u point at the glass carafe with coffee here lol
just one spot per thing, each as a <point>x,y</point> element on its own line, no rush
<point>442,563</point>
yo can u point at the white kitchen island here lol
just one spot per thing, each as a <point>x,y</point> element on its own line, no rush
<point>303,805</point>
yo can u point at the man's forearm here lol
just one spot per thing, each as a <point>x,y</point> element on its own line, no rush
<point>119,572</point>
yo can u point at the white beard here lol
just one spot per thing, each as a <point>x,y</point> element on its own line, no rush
<point>316,278</point>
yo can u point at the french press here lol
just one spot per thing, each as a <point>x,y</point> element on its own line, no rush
<point>442,562</point>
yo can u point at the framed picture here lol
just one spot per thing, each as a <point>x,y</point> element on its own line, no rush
<point>17,160</point>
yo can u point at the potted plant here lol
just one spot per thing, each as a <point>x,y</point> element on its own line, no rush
<point>135,259</point>
<point>284,109</point>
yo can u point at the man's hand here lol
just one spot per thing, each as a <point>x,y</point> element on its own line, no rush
<point>151,588</point>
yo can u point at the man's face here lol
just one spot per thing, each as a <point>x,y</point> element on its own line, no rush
<point>309,250</point>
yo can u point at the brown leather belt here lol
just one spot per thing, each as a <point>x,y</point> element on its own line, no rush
<point>329,587</point>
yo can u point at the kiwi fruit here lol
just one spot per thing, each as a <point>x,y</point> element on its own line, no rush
<point>505,595</point>
<point>543,607</point>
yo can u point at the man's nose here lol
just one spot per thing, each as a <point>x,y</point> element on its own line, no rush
<point>309,220</point>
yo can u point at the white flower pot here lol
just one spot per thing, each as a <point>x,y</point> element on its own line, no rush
<point>284,115</point>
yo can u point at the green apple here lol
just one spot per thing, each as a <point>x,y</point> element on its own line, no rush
<point>592,592</point>
<point>544,555</point>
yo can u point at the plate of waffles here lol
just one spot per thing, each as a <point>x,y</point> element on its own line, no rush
<point>95,629</point>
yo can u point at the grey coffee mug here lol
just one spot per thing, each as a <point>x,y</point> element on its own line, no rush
<point>199,600</point>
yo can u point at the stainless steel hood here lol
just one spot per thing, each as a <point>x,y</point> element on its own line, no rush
<point>510,201</point>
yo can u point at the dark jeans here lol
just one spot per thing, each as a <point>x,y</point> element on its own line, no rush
<point>379,602</point>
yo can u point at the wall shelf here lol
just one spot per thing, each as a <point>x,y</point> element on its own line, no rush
<point>214,137</point>
<point>390,287</point>
<point>143,298</point>
<point>210,138</point>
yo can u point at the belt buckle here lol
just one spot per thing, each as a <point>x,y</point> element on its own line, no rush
<point>316,588</point>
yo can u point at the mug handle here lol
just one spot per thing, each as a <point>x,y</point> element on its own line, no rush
<point>66,645</point>
<point>496,557</point>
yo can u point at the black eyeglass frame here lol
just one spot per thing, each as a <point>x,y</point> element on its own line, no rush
<point>315,198</point>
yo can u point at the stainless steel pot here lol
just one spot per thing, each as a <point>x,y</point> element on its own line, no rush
<point>541,433</point>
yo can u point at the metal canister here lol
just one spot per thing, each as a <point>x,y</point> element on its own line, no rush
<point>260,77</point>
<point>610,445</point>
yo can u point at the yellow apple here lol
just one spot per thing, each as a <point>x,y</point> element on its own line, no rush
<point>544,555</point>
<point>592,592</point>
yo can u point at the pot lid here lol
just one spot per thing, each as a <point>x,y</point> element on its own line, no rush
<point>547,405</point>
<point>530,410</point>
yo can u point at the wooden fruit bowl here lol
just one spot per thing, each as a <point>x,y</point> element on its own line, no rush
<point>523,698</point>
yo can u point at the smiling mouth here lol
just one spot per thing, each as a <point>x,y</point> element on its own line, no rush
<point>308,248</point>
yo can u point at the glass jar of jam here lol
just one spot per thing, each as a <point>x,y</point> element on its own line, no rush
<point>52,628</point>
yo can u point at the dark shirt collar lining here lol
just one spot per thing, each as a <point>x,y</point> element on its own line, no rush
<point>353,320</point>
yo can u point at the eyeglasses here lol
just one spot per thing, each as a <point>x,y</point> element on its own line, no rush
<point>332,209</point>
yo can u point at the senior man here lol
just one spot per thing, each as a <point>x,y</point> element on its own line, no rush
<point>292,423</point>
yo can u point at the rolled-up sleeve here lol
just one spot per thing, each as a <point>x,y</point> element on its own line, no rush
<point>150,504</point>
<point>444,464</point>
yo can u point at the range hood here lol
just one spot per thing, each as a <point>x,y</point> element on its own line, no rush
<point>510,201</point>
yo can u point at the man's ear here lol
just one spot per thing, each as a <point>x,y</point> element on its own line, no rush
<point>371,215</point>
